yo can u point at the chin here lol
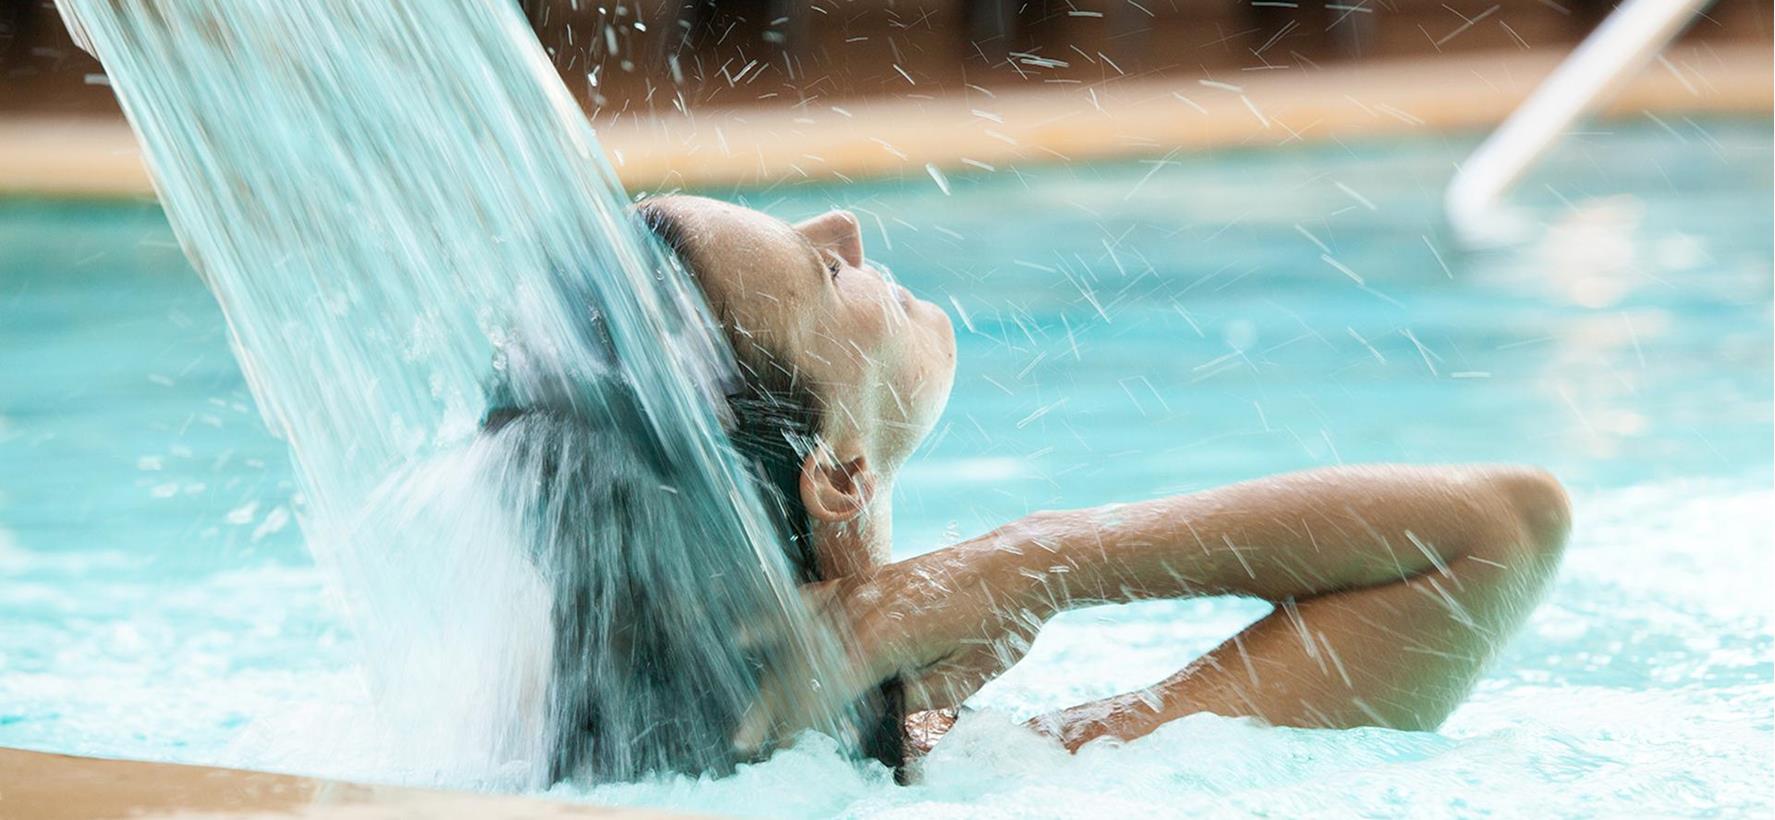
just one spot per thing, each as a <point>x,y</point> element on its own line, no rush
<point>940,321</point>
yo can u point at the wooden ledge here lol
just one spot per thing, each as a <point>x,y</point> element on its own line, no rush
<point>62,787</point>
<point>1131,118</point>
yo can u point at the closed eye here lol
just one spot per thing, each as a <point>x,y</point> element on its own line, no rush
<point>822,257</point>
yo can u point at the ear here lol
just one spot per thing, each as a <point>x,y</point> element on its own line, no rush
<point>837,231</point>
<point>836,490</point>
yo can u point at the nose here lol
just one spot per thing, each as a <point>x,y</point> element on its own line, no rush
<point>840,231</point>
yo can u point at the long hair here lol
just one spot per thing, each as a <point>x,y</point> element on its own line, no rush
<point>581,482</point>
<point>774,423</point>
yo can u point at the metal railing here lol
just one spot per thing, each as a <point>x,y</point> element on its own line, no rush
<point>1610,57</point>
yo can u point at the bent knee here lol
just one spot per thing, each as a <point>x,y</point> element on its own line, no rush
<point>1539,509</point>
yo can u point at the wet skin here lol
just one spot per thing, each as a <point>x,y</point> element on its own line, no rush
<point>1394,585</point>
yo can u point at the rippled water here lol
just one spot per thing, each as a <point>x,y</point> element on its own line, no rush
<point>155,601</point>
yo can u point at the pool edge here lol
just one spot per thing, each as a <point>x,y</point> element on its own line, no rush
<point>52,786</point>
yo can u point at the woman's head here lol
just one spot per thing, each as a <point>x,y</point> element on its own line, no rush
<point>843,375</point>
<point>808,314</point>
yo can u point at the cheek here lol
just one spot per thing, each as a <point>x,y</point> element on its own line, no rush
<point>910,354</point>
<point>847,351</point>
<point>938,339</point>
<point>945,333</point>
<point>928,369</point>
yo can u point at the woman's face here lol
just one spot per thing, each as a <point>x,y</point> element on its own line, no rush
<point>881,360</point>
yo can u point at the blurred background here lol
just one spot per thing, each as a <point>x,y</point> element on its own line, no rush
<point>653,55</point>
<point>1183,242</point>
<point>777,71</point>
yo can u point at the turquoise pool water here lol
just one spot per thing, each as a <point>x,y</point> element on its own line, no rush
<point>1130,329</point>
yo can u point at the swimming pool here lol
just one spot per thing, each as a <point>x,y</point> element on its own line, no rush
<point>1126,330</point>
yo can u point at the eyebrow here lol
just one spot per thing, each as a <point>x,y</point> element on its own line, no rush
<point>819,259</point>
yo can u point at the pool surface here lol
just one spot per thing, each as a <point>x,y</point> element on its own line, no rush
<point>1126,330</point>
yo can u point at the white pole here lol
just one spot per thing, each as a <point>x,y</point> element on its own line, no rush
<point>1635,33</point>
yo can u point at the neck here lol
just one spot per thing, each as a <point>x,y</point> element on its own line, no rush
<point>856,546</point>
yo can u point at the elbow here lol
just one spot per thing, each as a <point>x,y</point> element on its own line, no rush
<point>1538,510</point>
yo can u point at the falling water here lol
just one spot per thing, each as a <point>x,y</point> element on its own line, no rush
<point>499,395</point>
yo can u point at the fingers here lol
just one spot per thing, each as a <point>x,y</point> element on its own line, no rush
<point>878,635</point>
<point>783,706</point>
<point>949,682</point>
<point>810,677</point>
<point>754,729</point>
<point>1117,717</point>
<point>954,679</point>
<point>796,693</point>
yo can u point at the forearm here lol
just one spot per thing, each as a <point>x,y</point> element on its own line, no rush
<point>1288,537</point>
<point>957,616</point>
<point>1395,586</point>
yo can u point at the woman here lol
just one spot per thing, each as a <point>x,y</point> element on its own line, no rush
<point>1393,585</point>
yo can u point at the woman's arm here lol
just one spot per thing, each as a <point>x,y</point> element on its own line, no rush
<point>1393,585</point>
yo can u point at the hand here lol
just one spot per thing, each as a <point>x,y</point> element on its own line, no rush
<point>1122,716</point>
<point>946,622</point>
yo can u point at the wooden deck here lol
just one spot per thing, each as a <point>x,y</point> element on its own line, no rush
<point>756,145</point>
<point>60,787</point>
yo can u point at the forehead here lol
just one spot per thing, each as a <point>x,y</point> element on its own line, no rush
<point>749,264</point>
<point>722,230</point>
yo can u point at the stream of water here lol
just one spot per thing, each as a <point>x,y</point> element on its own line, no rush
<point>402,213</point>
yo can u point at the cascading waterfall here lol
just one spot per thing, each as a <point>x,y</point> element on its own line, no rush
<point>403,214</point>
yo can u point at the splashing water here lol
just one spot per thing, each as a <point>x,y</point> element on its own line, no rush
<point>165,627</point>
<point>397,205</point>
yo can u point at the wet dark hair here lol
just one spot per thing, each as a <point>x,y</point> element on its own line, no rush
<point>774,423</point>
<point>773,419</point>
<point>585,486</point>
